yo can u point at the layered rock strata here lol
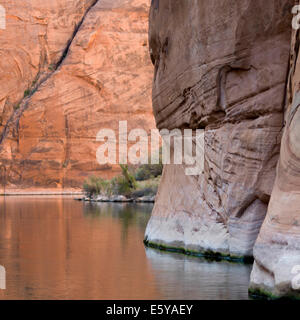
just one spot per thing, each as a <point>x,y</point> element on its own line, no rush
<point>31,45</point>
<point>220,66</point>
<point>82,66</point>
<point>276,270</point>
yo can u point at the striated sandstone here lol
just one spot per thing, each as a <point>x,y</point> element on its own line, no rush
<point>277,250</point>
<point>36,35</point>
<point>220,66</point>
<point>102,75</point>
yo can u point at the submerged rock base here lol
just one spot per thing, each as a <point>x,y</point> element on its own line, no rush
<point>214,256</point>
<point>221,78</point>
<point>223,66</point>
<point>276,271</point>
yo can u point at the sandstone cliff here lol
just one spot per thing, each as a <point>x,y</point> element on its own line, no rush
<point>221,66</point>
<point>69,69</point>
<point>277,250</point>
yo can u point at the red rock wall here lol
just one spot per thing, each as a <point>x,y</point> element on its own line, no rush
<point>37,32</point>
<point>86,66</point>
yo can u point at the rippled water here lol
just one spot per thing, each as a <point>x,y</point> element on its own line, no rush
<point>58,248</point>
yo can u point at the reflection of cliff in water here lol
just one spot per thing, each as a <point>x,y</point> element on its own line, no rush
<point>181,276</point>
<point>126,213</point>
<point>58,248</point>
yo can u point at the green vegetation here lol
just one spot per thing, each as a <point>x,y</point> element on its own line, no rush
<point>149,171</point>
<point>120,186</point>
<point>207,254</point>
<point>123,184</point>
<point>29,92</point>
<point>146,188</point>
<point>259,293</point>
<point>34,82</point>
<point>126,184</point>
<point>128,177</point>
<point>95,186</point>
<point>51,67</point>
<point>26,93</point>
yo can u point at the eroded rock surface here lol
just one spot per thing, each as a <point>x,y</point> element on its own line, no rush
<point>87,66</point>
<point>277,250</point>
<point>36,35</point>
<point>220,66</point>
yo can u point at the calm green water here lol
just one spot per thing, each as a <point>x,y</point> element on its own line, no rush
<point>58,248</point>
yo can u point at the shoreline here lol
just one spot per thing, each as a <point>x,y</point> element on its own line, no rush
<point>40,193</point>
<point>209,255</point>
<point>118,199</point>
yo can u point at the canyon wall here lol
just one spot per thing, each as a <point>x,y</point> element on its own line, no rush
<point>69,69</point>
<point>220,66</point>
<point>231,68</point>
<point>277,250</point>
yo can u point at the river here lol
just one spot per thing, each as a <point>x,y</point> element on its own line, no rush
<point>58,248</point>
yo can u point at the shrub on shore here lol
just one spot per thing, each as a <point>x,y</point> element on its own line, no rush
<point>146,188</point>
<point>95,185</point>
<point>149,171</point>
<point>125,184</point>
<point>120,185</point>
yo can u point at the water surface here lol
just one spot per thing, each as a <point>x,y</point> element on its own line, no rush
<point>58,248</point>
